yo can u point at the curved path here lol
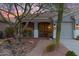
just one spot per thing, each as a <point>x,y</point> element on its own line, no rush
<point>38,50</point>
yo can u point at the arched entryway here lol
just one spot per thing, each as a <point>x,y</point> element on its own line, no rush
<point>45,29</point>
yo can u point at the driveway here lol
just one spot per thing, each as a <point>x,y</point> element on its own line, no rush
<point>71,44</point>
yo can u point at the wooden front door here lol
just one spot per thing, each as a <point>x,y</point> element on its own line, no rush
<point>45,29</point>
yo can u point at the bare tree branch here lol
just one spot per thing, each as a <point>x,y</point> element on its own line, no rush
<point>40,7</point>
<point>25,9</point>
<point>3,18</point>
<point>25,14</point>
<point>17,11</point>
<point>20,6</point>
<point>8,12</point>
<point>8,16</point>
<point>36,15</point>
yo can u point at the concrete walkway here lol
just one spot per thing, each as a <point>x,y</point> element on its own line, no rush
<point>38,50</point>
<point>71,44</point>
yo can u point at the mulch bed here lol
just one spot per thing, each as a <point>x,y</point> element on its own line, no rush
<point>19,50</point>
<point>29,44</point>
<point>59,51</point>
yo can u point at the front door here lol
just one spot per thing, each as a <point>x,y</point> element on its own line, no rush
<point>45,29</point>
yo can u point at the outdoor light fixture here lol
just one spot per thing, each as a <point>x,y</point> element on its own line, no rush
<point>49,27</point>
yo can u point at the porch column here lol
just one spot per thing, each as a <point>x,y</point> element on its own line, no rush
<point>35,30</point>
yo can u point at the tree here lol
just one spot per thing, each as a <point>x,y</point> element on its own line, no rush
<point>59,21</point>
<point>21,12</point>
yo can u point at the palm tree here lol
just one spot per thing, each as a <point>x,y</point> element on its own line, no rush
<point>60,18</point>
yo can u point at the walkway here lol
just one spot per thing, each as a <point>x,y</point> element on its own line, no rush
<point>68,43</point>
<point>38,50</point>
<point>71,44</point>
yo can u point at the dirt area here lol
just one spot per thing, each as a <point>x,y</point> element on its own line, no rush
<point>60,51</point>
<point>26,47</point>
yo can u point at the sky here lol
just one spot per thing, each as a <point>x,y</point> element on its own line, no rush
<point>2,6</point>
<point>69,5</point>
<point>73,5</point>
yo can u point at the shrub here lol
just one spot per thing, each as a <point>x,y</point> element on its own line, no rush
<point>50,47</point>
<point>9,31</point>
<point>27,32</point>
<point>77,38</point>
<point>70,53</point>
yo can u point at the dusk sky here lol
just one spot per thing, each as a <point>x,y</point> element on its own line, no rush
<point>69,5</point>
<point>73,5</point>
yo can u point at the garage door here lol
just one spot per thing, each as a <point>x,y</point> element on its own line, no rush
<point>66,31</point>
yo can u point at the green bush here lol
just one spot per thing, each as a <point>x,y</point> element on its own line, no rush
<point>77,38</point>
<point>50,47</point>
<point>9,31</point>
<point>27,33</point>
<point>70,53</point>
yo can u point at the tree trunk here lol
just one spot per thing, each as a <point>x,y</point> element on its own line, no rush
<point>60,17</point>
<point>18,33</point>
